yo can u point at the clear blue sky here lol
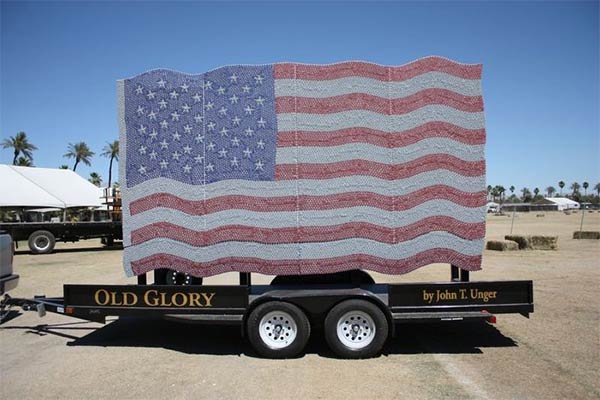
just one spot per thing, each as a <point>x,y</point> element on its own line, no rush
<point>60,61</point>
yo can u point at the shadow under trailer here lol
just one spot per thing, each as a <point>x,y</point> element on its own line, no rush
<point>356,314</point>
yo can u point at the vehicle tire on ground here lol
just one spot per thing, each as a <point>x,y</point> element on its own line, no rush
<point>356,329</point>
<point>278,330</point>
<point>173,277</point>
<point>41,242</point>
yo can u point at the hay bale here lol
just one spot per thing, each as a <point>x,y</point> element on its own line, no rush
<point>544,242</point>
<point>594,235</point>
<point>540,215</point>
<point>567,212</point>
<point>502,245</point>
<point>523,241</point>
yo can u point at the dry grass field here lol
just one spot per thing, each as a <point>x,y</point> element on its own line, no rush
<point>553,355</point>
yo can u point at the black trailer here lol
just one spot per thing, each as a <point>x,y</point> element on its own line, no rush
<point>42,236</point>
<point>357,314</point>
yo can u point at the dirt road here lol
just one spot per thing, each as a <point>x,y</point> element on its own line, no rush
<point>555,354</point>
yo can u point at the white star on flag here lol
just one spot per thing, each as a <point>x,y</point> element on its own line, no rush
<point>173,95</point>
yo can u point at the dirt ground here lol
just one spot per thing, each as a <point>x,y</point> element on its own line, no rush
<point>554,354</point>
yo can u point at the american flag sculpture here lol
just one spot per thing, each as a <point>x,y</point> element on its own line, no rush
<point>296,169</point>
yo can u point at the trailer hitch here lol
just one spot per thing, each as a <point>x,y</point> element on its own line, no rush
<point>9,302</point>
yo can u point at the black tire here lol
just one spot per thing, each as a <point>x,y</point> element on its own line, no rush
<point>41,242</point>
<point>173,277</point>
<point>355,328</point>
<point>289,350</point>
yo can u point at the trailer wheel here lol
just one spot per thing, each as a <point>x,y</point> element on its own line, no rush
<point>41,242</point>
<point>165,276</point>
<point>278,330</point>
<point>356,329</point>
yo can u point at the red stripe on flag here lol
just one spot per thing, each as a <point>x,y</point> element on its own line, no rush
<point>379,170</point>
<point>308,234</point>
<point>292,267</point>
<point>381,138</point>
<point>374,71</point>
<point>363,101</point>
<point>306,202</point>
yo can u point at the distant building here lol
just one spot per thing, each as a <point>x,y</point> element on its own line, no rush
<point>562,203</point>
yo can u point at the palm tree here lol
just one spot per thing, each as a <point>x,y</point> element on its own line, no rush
<point>501,191</point>
<point>24,162</point>
<point>597,189</point>
<point>21,145</point>
<point>111,150</point>
<point>536,191</point>
<point>550,190</point>
<point>561,185</point>
<point>64,166</point>
<point>526,194</point>
<point>95,178</point>
<point>512,190</point>
<point>80,152</point>
<point>585,186</point>
<point>575,187</point>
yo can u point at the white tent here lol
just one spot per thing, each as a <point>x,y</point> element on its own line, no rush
<point>563,203</point>
<point>46,187</point>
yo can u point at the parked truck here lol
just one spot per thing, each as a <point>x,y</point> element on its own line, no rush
<point>313,174</point>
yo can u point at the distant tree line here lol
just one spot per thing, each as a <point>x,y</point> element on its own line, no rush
<point>525,195</point>
<point>80,152</point>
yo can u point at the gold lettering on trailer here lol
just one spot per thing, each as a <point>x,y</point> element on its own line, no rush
<point>208,298</point>
<point>132,297</point>
<point>153,298</point>
<point>195,300</point>
<point>105,294</point>
<point>151,301</point>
